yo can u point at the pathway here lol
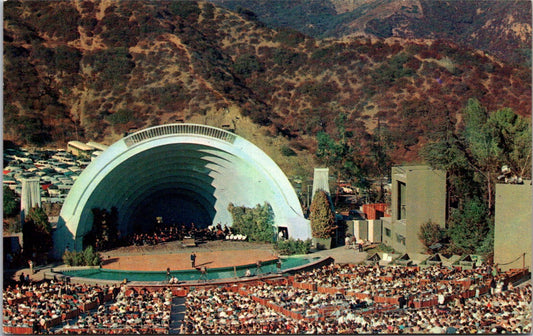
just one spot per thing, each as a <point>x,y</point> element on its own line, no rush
<point>177,314</point>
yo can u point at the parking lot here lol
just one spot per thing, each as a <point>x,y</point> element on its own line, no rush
<point>56,169</point>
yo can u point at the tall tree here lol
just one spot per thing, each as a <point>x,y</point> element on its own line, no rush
<point>473,154</point>
<point>479,148</point>
<point>379,153</point>
<point>331,152</point>
<point>493,140</point>
<point>11,206</point>
<point>37,232</point>
<point>469,227</point>
<point>322,216</point>
<point>341,153</point>
<point>511,134</point>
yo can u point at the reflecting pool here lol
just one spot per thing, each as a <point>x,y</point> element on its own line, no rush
<point>189,275</point>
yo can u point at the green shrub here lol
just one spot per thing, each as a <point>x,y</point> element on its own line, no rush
<point>185,9</point>
<point>11,203</point>
<point>120,31</point>
<point>209,11</point>
<point>385,248</point>
<point>430,233</point>
<point>60,21</point>
<point>256,223</point>
<point>68,258</point>
<point>87,257</point>
<point>287,58</point>
<point>121,117</point>
<point>245,65</point>
<point>67,59</point>
<point>287,151</point>
<point>112,65</point>
<point>320,92</point>
<point>289,37</point>
<point>292,246</point>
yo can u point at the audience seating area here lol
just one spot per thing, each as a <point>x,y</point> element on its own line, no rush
<point>332,299</point>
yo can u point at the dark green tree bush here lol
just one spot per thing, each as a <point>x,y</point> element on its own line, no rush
<point>122,116</point>
<point>112,65</point>
<point>430,233</point>
<point>322,216</point>
<point>287,151</point>
<point>185,9</point>
<point>469,227</point>
<point>87,257</point>
<point>11,204</point>
<point>37,232</point>
<point>247,64</point>
<point>256,223</point>
<point>473,156</point>
<point>293,246</point>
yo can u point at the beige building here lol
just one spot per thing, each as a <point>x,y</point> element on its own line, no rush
<point>512,225</point>
<point>418,196</point>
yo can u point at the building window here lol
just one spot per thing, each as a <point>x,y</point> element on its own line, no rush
<point>400,239</point>
<point>387,232</point>
<point>401,200</point>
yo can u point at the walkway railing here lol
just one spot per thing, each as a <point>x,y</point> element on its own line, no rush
<point>179,129</point>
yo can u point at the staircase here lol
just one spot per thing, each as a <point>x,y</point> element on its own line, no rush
<point>177,313</point>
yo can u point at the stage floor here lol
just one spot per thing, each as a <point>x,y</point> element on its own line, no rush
<point>211,255</point>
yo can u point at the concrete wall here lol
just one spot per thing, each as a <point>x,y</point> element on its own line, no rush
<point>360,229</point>
<point>512,225</point>
<point>350,227</point>
<point>386,227</point>
<point>374,230</point>
<point>366,229</point>
<point>423,199</point>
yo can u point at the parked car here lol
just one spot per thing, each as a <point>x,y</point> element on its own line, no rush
<point>42,164</point>
<point>67,160</point>
<point>61,167</point>
<point>83,163</point>
<point>75,169</point>
<point>53,191</point>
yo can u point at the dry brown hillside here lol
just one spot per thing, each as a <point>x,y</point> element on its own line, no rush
<point>93,70</point>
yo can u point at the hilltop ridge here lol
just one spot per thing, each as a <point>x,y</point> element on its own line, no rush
<point>96,70</point>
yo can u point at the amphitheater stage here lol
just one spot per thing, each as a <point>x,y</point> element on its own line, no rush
<point>211,254</point>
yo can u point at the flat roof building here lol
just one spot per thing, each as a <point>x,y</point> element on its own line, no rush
<point>512,225</point>
<point>78,148</point>
<point>418,196</point>
<point>97,146</point>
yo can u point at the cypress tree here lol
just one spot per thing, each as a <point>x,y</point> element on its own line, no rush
<point>322,216</point>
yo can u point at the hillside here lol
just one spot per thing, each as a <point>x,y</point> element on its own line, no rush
<point>500,28</point>
<point>93,70</point>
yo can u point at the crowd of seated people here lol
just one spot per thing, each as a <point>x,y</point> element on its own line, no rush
<point>167,233</point>
<point>220,311</point>
<point>303,301</point>
<point>396,280</point>
<point>507,310</point>
<point>217,232</point>
<point>40,306</point>
<point>132,312</point>
<point>282,307</point>
<point>60,307</point>
<point>159,234</point>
